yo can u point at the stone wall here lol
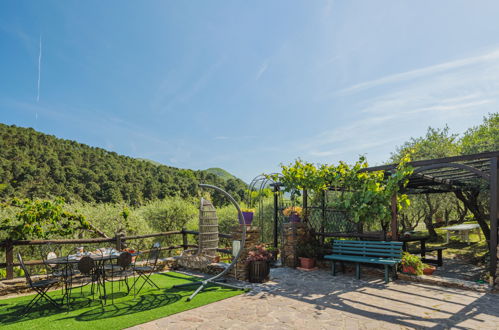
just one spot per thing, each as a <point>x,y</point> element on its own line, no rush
<point>240,269</point>
<point>293,232</point>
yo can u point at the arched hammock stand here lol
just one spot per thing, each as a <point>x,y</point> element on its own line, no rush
<point>217,278</point>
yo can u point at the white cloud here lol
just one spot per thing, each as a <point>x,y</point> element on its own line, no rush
<point>458,93</point>
<point>492,56</point>
<point>263,68</point>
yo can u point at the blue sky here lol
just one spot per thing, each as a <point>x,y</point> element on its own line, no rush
<point>247,85</point>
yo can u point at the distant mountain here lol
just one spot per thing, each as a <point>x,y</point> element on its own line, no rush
<point>37,165</point>
<point>150,161</point>
<point>220,172</point>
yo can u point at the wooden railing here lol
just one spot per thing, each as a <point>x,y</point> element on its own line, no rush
<point>117,240</point>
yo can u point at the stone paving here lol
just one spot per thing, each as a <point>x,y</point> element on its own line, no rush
<point>295,299</point>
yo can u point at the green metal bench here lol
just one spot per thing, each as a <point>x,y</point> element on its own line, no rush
<point>388,254</point>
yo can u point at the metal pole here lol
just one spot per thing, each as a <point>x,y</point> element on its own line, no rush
<point>213,279</point>
<point>276,215</point>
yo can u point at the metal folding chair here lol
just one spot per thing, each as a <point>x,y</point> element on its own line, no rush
<point>41,288</point>
<point>121,268</point>
<point>148,268</point>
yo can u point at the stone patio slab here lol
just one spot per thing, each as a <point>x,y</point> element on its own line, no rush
<point>316,300</point>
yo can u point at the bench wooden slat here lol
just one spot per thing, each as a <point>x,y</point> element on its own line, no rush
<point>372,252</point>
<point>367,253</point>
<point>381,261</point>
<point>383,243</point>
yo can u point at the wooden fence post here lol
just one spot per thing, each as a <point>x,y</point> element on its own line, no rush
<point>9,259</point>
<point>117,238</point>
<point>184,239</point>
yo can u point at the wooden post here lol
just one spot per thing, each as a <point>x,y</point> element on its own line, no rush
<point>185,243</point>
<point>494,215</point>
<point>117,238</point>
<point>394,224</point>
<point>9,259</point>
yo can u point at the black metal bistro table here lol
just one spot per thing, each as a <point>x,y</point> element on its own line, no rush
<point>69,261</point>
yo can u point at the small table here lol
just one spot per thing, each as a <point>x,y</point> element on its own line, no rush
<point>68,261</point>
<point>464,231</point>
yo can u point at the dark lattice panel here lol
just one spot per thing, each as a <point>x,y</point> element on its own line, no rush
<point>329,221</point>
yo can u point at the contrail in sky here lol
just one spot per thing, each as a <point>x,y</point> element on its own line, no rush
<point>39,70</point>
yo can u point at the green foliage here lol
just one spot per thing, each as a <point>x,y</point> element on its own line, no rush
<point>410,260</point>
<point>482,138</point>
<point>437,143</point>
<point>366,195</point>
<point>112,218</point>
<point>308,249</point>
<point>41,219</point>
<point>36,165</point>
<point>171,214</point>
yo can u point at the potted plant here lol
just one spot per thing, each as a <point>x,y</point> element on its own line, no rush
<point>293,213</point>
<point>428,269</point>
<point>412,264</point>
<point>307,254</point>
<point>247,215</point>
<point>259,258</point>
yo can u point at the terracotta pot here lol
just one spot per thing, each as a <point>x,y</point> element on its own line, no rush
<point>409,270</point>
<point>429,270</point>
<point>307,263</point>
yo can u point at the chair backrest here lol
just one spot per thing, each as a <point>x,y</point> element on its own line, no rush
<point>389,250</point>
<point>124,259</point>
<point>25,270</point>
<point>152,259</point>
<point>47,251</point>
<point>85,265</point>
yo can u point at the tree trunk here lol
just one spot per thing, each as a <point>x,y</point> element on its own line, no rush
<point>470,201</point>
<point>428,220</point>
<point>461,211</point>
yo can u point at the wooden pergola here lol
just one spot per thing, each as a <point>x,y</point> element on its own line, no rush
<point>476,172</point>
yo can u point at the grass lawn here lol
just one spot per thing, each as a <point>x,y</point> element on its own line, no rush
<point>126,311</point>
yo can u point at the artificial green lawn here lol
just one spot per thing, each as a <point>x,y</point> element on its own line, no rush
<point>127,311</point>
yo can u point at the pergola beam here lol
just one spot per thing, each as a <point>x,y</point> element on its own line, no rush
<point>420,163</point>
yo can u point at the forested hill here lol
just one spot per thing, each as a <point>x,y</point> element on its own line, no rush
<point>37,165</point>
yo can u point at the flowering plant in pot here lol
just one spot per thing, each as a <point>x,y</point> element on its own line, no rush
<point>259,258</point>
<point>293,212</point>
<point>412,264</point>
<point>428,269</point>
<point>247,215</point>
<point>307,253</point>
